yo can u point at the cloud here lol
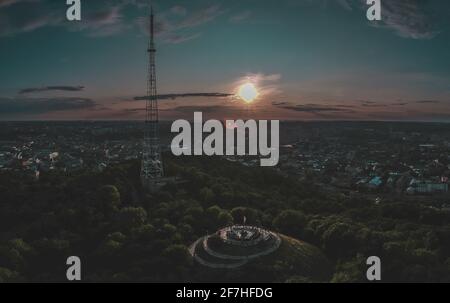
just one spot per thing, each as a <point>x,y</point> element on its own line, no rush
<point>175,38</point>
<point>314,108</point>
<point>404,103</point>
<point>51,88</point>
<point>103,22</point>
<point>267,84</point>
<point>175,26</point>
<point>105,18</point>
<point>365,103</point>
<point>189,109</point>
<point>407,18</point>
<point>178,10</point>
<point>264,78</point>
<point>240,17</point>
<point>5,3</point>
<point>280,103</point>
<point>202,16</point>
<point>259,79</point>
<point>345,4</point>
<point>428,101</point>
<point>198,108</point>
<point>400,104</point>
<point>134,110</point>
<point>30,16</point>
<point>207,109</point>
<point>311,108</point>
<point>43,105</point>
<point>102,18</point>
<point>162,25</point>
<point>187,95</point>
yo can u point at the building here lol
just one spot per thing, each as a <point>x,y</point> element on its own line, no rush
<point>426,187</point>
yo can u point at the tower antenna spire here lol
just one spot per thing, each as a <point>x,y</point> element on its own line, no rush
<point>152,167</point>
<point>152,27</point>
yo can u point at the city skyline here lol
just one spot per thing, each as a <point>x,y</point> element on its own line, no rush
<point>310,60</point>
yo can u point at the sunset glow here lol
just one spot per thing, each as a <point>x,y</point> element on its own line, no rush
<point>248,92</point>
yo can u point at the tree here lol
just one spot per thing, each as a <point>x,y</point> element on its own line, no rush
<point>213,212</point>
<point>340,239</point>
<point>290,222</point>
<point>131,217</point>
<point>224,219</point>
<point>206,195</point>
<point>351,271</point>
<point>249,215</point>
<point>178,255</point>
<point>178,262</point>
<point>7,275</point>
<point>195,216</point>
<point>108,199</point>
<point>167,231</point>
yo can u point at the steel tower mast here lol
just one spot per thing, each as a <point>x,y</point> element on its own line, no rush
<point>152,167</point>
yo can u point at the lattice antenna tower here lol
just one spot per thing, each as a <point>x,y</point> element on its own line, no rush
<point>152,166</point>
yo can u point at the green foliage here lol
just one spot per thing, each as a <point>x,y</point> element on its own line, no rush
<point>224,219</point>
<point>124,234</point>
<point>108,199</point>
<point>250,215</point>
<point>7,275</point>
<point>350,271</point>
<point>129,218</point>
<point>290,222</point>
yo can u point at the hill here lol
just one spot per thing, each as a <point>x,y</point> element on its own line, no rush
<point>291,260</point>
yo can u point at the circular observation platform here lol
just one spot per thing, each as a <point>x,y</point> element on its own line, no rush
<point>234,246</point>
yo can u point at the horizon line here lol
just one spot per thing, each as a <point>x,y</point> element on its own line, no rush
<point>281,120</point>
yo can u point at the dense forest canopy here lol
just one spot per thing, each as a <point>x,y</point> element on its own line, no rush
<point>122,234</point>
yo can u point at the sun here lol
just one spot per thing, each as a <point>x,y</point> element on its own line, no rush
<point>248,92</point>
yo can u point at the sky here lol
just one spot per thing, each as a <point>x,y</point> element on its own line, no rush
<point>308,59</point>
